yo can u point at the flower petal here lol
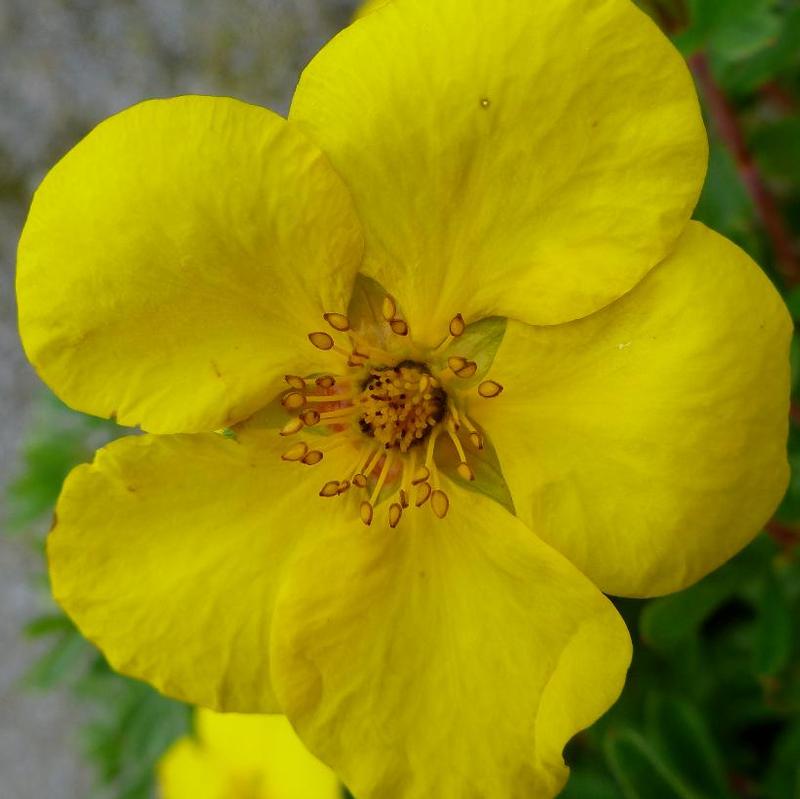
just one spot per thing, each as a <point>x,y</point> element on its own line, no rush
<point>445,659</point>
<point>530,160</point>
<point>647,443</point>
<point>168,551</point>
<point>174,261</point>
<point>262,753</point>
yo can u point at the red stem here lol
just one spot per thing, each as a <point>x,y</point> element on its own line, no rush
<point>729,130</point>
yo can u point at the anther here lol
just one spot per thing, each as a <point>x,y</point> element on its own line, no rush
<point>326,381</point>
<point>292,426</point>
<point>322,341</point>
<point>338,321</point>
<point>468,370</point>
<point>360,480</point>
<point>404,498</point>
<point>312,458</point>
<point>440,503</point>
<point>330,489</point>
<point>477,440</point>
<point>366,513</point>
<point>456,363</point>
<point>343,486</point>
<point>423,494</point>
<point>310,417</point>
<point>389,308</point>
<point>293,401</point>
<point>421,475</point>
<point>399,327</point>
<point>464,471</point>
<point>395,512</point>
<point>296,452</point>
<point>295,382</point>
<point>457,325</point>
<point>489,389</point>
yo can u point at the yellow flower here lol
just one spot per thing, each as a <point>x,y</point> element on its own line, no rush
<point>243,757</point>
<point>466,254</point>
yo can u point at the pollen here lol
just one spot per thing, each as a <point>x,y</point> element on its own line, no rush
<point>400,405</point>
<point>403,411</point>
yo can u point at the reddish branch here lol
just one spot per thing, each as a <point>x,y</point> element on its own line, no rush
<point>727,126</point>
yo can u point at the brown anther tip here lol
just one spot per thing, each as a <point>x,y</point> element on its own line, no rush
<point>292,426</point>
<point>310,417</point>
<point>295,382</point>
<point>326,381</point>
<point>395,512</point>
<point>477,440</point>
<point>421,475</point>
<point>343,486</point>
<point>468,371</point>
<point>465,472</point>
<point>293,401</point>
<point>456,363</point>
<point>399,327</point>
<point>330,489</point>
<point>312,458</point>
<point>322,341</point>
<point>360,481</point>
<point>489,389</point>
<point>296,452</point>
<point>389,308</point>
<point>440,503</point>
<point>404,498</point>
<point>366,513</point>
<point>457,325</point>
<point>423,494</point>
<point>338,321</point>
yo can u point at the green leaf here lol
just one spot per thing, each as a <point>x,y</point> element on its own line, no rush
<point>775,629</point>
<point>777,148</point>
<point>683,737</point>
<point>47,625</point>
<point>640,771</point>
<point>586,784</point>
<point>671,619</point>
<point>733,29</point>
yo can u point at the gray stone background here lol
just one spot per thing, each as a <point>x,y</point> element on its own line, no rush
<point>64,66</point>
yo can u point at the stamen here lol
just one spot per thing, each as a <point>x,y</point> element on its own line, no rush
<point>465,472</point>
<point>296,452</point>
<point>343,486</point>
<point>468,370</point>
<point>293,401</point>
<point>457,325</point>
<point>360,480</point>
<point>295,382</point>
<point>456,363</point>
<point>440,503</point>
<point>326,381</point>
<point>292,426</point>
<point>381,479</point>
<point>310,417</point>
<point>389,308</point>
<point>322,341</point>
<point>489,389</point>
<point>366,513</point>
<point>312,458</point>
<point>399,327</point>
<point>423,494</point>
<point>395,512</point>
<point>338,321</point>
<point>421,475</point>
<point>330,489</point>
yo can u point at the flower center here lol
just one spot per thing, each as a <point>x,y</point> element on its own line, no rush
<point>401,405</point>
<point>392,407</point>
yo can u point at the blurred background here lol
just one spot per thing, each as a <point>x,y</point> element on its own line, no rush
<point>711,706</point>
